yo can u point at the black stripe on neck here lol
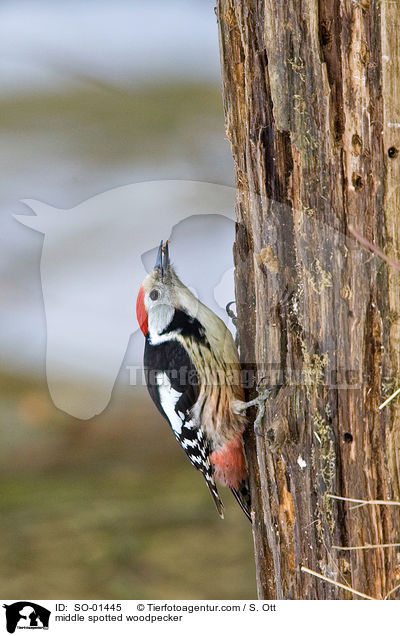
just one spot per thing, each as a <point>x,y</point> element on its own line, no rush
<point>187,326</point>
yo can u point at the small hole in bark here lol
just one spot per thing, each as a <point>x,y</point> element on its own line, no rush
<point>356,143</point>
<point>392,152</point>
<point>357,181</point>
<point>348,438</point>
<point>270,435</point>
<point>325,34</point>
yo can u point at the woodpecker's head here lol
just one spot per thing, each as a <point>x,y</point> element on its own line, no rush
<point>159,295</point>
<point>166,309</point>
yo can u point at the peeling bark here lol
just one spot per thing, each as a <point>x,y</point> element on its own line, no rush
<point>311,93</point>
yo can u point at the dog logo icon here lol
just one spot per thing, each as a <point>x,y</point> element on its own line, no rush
<point>26,615</point>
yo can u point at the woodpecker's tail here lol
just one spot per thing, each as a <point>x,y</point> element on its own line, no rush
<point>215,495</point>
<point>242,496</point>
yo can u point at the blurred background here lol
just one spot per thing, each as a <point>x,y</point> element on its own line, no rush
<point>97,95</point>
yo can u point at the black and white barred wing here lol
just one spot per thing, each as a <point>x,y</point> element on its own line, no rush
<point>190,437</point>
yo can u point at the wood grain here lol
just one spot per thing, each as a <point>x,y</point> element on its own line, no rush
<point>309,95</point>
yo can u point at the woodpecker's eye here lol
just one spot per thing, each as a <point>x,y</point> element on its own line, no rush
<point>154,294</point>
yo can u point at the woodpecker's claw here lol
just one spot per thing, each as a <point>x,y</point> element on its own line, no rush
<point>231,313</point>
<point>233,317</point>
<point>259,402</point>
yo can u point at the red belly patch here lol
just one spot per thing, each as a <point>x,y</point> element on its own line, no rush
<point>229,463</point>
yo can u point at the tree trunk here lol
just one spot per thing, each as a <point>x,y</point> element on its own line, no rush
<point>311,93</point>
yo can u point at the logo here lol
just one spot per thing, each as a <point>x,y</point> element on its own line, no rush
<point>26,615</point>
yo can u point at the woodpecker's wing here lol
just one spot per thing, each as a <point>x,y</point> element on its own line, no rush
<point>173,386</point>
<point>171,359</point>
<point>195,446</point>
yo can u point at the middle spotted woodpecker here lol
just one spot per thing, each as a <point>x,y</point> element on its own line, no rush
<point>193,377</point>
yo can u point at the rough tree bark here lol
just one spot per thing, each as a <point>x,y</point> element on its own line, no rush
<point>311,93</point>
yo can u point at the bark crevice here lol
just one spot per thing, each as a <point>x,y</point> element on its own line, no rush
<point>306,96</point>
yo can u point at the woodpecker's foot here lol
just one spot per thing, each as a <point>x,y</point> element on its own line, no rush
<point>259,402</point>
<point>231,313</point>
<point>233,317</point>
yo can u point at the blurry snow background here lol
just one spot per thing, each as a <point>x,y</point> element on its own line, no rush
<point>95,95</point>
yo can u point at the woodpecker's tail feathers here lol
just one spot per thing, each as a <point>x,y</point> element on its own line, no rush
<point>242,496</point>
<point>215,495</point>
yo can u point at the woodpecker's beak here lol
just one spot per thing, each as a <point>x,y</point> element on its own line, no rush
<point>159,258</point>
<point>162,260</point>
<point>166,258</point>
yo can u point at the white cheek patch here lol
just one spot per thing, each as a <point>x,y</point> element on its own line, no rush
<point>168,399</point>
<point>159,317</point>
